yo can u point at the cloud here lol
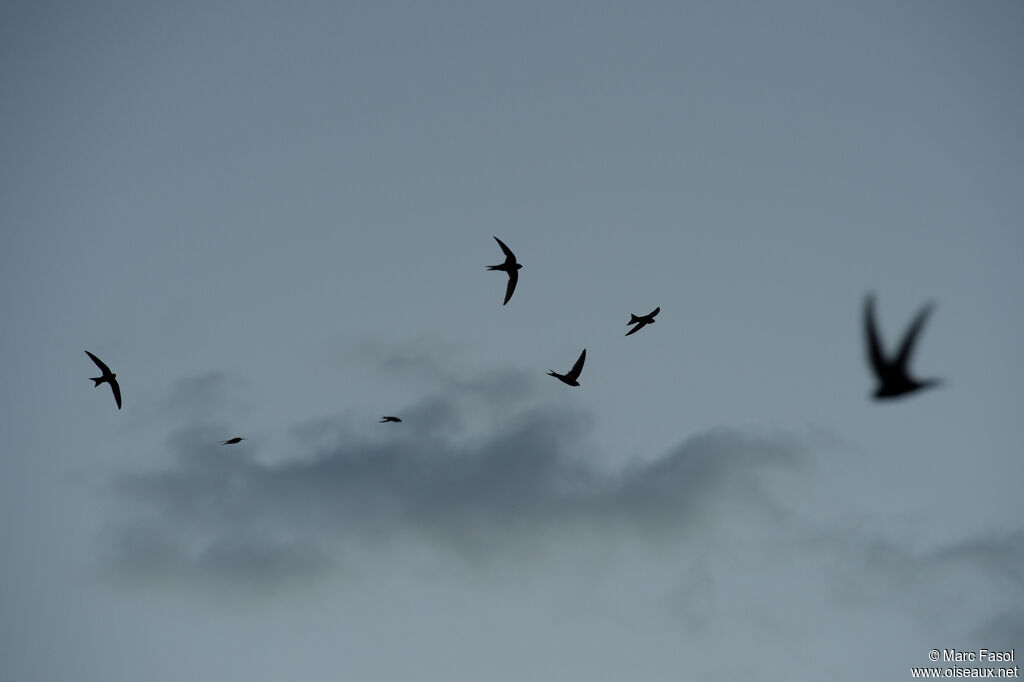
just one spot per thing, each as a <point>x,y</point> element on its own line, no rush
<point>1004,630</point>
<point>483,473</point>
<point>198,398</point>
<point>480,470</point>
<point>966,591</point>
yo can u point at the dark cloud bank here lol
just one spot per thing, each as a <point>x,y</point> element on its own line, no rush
<point>479,471</point>
<point>482,473</point>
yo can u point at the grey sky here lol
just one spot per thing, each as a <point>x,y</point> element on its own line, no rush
<point>273,220</point>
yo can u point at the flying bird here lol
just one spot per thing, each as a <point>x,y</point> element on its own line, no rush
<point>107,377</point>
<point>892,373</point>
<point>510,267</point>
<point>642,320</point>
<point>389,419</point>
<point>233,441</point>
<point>574,374</point>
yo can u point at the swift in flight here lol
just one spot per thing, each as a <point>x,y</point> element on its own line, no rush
<point>892,372</point>
<point>572,378</point>
<point>510,267</point>
<point>107,377</point>
<point>642,320</point>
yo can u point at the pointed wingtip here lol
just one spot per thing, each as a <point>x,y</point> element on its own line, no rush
<point>869,304</point>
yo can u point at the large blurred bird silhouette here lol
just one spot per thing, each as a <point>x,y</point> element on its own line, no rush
<point>107,377</point>
<point>641,321</point>
<point>572,378</point>
<point>387,418</point>
<point>510,267</point>
<point>233,441</point>
<point>893,375</point>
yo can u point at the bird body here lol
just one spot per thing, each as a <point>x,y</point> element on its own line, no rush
<point>572,377</point>
<point>893,375</point>
<point>510,267</point>
<point>642,320</point>
<point>233,441</point>
<point>107,377</point>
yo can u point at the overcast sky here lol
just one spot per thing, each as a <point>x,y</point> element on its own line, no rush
<point>272,220</point>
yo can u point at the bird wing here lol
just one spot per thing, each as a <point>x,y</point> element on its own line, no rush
<point>574,373</point>
<point>907,347</point>
<point>99,363</point>
<point>509,256</point>
<point>117,392</point>
<point>640,325</point>
<point>654,312</point>
<point>513,278</point>
<point>875,353</point>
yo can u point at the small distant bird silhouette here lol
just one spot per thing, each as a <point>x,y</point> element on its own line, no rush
<point>893,376</point>
<point>642,320</point>
<point>572,378</point>
<point>389,419</point>
<point>107,377</point>
<point>233,441</point>
<point>510,266</point>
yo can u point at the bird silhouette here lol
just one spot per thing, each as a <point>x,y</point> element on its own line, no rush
<point>510,266</point>
<point>572,378</point>
<point>642,320</point>
<point>389,419</point>
<point>233,441</point>
<point>892,373</point>
<point>107,377</point>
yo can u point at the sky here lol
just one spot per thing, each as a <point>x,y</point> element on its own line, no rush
<point>272,220</point>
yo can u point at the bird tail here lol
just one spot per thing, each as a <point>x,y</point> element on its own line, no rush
<point>633,319</point>
<point>494,267</point>
<point>96,381</point>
